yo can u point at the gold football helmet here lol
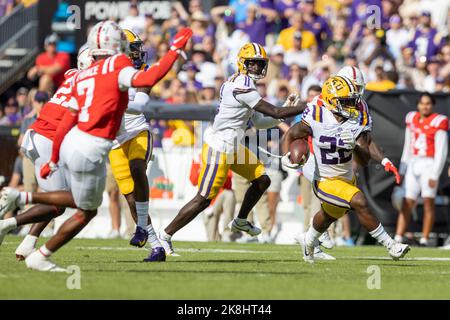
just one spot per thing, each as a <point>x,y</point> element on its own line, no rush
<point>136,50</point>
<point>341,96</point>
<point>253,52</point>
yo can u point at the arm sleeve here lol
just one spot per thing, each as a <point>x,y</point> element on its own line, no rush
<point>129,77</point>
<point>262,122</point>
<point>440,153</point>
<point>68,121</point>
<point>405,154</point>
<point>140,101</point>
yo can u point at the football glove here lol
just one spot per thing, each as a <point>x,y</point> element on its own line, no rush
<point>389,167</point>
<point>348,139</point>
<point>47,169</point>
<point>286,161</point>
<point>180,40</point>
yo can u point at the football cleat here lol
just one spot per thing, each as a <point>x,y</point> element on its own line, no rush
<point>37,261</point>
<point>4,229</point>
<point>157,254</point>
<point>398,250</point>
<point>307,249</point>
<point>139,238</point>
<point>326,241</point>
<point>167,245</point>
<point>246,227</point>
<point>320,255</point>
<point>9,200</point>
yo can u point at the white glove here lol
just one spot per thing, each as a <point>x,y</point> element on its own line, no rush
<point>292,100</point>
<point>285,161</point>
<point>348,139</point>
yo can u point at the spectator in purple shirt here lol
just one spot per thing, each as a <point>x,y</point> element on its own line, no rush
<point>315,23</point>
<point>359,11</point>
<point>11,113</point>
<point>6,7</point>
<point>423,42</point>
<point>257,23</point>
<point>286,9</point>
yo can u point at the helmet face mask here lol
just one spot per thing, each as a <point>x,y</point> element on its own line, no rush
<point>256,68</point>
<point>135,48</point>
<point>137,53</point>
<point>252,61</point>
<point>347,107</point>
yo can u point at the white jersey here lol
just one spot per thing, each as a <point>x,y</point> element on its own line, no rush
<point>132,124</point>
<point>238,97</point>
<point>330,157</point>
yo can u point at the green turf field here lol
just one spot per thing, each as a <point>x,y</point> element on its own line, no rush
<point>110,269</point>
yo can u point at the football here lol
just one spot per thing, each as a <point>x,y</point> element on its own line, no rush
<point>299,151</point>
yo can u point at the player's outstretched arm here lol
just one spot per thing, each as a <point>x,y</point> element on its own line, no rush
<point>278,113</point>
<point>68,121</point>
<point>366,148</point>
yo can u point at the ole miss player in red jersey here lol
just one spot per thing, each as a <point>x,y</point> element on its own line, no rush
<point>37,146</point>
<point>84,137</point>
<point>423,158</point>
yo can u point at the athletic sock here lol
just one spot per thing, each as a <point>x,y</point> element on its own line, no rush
<point>45,252</point>
<point>163,235</point>
<point>25,198</point>
<point>382,237</point>
<point>142,214</point>
<point>312,235</point>
<point>152,237</point>
<point>10,224</point>
<point>30,241</point>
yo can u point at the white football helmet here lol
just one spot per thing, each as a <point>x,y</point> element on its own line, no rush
<point>106,38</point>
<point>354,74</point>
<point>84,59</point>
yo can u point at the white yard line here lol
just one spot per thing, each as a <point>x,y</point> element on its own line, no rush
<point>407,259</point>
<point>177,250</point>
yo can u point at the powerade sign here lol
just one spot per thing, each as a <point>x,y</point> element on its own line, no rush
<point>102,10</point>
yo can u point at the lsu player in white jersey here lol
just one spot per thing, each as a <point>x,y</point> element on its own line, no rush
<point>222,148</point>
<point>338,130</point>
<point>131,151</point>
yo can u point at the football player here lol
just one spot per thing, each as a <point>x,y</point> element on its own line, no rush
<point>338,129</point>
<point>131,152</point>
<point>222,148</point>
<point>86,133</point>
<point>37,146</point>
<point>424,155</point>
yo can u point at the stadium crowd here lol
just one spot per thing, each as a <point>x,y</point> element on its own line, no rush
<point>396,44</point>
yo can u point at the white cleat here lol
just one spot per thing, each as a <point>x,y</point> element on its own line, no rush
<point>246,227</point>
<point>9,200</point>
<point>320,255</point>
<point>326,241</point>
<point>167,245</point>
<point>24,250</point>
<point>307,249</point>
<point>37,261</point>
<point>5,228</point>
<point>398,250</point>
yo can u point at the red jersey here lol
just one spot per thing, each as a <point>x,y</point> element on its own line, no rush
<point>423,132</point>
<point>101,102</point>
<point>53,111</point>
<point>61,58</point>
